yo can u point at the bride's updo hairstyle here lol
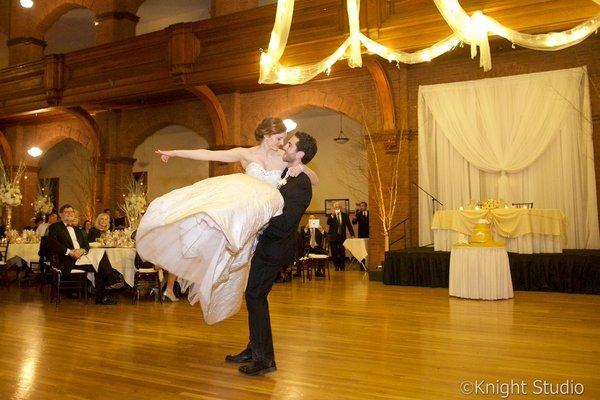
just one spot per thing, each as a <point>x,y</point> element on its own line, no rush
<point>269,126</point>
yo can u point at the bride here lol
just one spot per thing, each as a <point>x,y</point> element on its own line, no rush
<point>205,233</point>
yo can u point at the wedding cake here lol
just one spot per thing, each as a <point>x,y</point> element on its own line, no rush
<point>482,232</point>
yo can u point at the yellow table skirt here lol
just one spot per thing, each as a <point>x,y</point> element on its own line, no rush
<point>507,222</point>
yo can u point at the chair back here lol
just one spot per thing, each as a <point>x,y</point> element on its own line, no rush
<point>3,251</point>
<point>523,205</point>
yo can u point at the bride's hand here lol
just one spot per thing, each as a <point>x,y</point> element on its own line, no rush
<point>295,171</point>
<point>164,155</point>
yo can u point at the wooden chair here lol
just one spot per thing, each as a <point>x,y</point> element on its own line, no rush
<point>74,280</point>
<point>523,205</point>
<point>4,268</point>
<point>145,275</point>
<point>313,262</point>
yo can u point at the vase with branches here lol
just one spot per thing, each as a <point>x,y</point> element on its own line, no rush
<point>10,190</point>
<point>134,203</point>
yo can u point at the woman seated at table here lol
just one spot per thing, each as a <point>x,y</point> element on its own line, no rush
<point>101,226</point>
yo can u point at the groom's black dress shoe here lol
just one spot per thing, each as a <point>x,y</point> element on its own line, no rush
<point>244,356</point>
<point>258,368</point>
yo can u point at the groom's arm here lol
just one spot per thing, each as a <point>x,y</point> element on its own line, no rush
<point>295,203</point>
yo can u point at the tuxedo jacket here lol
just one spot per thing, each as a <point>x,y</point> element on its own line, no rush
<point>59,241</point>
<point>337,232</point>
<point>363,224</point>
<point>277,243</point>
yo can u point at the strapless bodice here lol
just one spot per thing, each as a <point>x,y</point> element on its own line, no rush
<point>257,171</point>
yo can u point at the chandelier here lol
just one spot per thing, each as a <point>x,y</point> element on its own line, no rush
<point>471,29</point>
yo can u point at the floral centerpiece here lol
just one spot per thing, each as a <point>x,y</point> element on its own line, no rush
<point>43,205</point>
<point>28,236</point>
<point>134,203</point>
<point>10,191</point>
<point>118,238</point>
<point>489,204</point>
<point>43,202</point>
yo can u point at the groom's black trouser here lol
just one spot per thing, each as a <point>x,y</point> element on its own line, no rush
<point>263,272</point>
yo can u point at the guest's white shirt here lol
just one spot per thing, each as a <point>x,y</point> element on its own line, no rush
<point>73,236</point>
<point>42,229</point>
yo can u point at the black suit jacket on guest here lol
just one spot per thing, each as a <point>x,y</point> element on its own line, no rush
<point>363,223</point>
<point>277,243</point>
<point>335,233</point>
<point>59,241</point>
<point>305,234</point>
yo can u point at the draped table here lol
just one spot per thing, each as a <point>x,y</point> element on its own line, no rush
<point>525,231</point>
<point>27,251</point>
<point>479,272</point>
<point>121,258</point>
<point>358,249</point>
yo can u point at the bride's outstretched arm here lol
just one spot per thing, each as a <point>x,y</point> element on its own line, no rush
<point>232,155</point>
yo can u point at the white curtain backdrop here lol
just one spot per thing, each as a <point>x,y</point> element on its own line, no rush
<point>523,138</point>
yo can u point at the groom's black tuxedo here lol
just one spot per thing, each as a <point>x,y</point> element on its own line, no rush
<point>275,248</point>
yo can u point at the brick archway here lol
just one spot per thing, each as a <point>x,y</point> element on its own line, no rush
<point>59,132</point>
<point>58,8</point>
<point>301,99</point>
<point>144,134</point>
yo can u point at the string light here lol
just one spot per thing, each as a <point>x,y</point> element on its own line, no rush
<point>473,30</point>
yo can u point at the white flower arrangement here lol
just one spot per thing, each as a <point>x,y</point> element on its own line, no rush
<point>118,238</point>
<point>134,203</point>
<point>43,201</point>
<point>10,192</point>
<point>489,204</point>
<point>43,205</point>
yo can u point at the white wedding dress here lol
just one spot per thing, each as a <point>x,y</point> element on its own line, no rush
<point>206,233</point>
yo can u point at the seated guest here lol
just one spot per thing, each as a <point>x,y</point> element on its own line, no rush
<point>312,238</point>
<point>42,229</point>
<point>69,245</point>
<point>312,241</point>
<point>87,226</point>
<point>101,225</point>
<point>76,220</point>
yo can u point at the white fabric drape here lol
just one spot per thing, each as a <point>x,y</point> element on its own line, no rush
<point>520,138</point>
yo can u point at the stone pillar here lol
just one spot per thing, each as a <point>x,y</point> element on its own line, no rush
<point>25,49</point>
<point>22,215</point>
<point>115,25</point>
<point>117,175</point>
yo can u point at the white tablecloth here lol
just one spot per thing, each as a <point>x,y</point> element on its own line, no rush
<point>121,258</point>
<point>525,231</point>
<point>480,273</point>
<point>358,249</point>
<point>27,251</point>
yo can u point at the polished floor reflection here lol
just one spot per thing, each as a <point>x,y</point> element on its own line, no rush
<point>347,338</point>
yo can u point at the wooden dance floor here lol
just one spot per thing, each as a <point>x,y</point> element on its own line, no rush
<point>347,338</point>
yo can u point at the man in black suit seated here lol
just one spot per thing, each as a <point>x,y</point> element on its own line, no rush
<point>69,244</point>
<point>338,222</point>
<point>312,241</point>
<point>361,217</point>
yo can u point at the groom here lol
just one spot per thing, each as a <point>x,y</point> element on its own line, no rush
<point>275,248</point>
